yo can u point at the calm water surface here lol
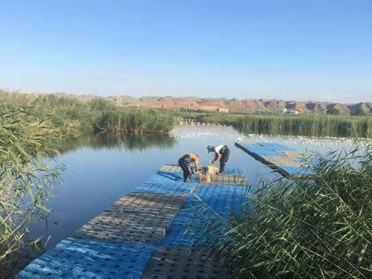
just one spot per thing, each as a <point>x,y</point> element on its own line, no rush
<point>102,170</point>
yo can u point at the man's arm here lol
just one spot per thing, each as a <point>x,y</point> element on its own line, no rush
<point>216,157</point>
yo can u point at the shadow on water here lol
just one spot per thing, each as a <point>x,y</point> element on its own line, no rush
<point>99,141</point>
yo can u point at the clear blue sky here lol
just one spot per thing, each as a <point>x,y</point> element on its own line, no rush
<point>283,49</point>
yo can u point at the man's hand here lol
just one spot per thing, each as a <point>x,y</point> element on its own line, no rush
<point>212,161</point>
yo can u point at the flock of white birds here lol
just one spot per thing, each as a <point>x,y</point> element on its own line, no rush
<point>226,133</point>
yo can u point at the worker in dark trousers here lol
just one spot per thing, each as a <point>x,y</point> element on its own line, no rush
<point>222,153</point>
<point>185,162</point>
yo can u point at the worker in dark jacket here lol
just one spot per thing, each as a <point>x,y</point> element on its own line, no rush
<point>222,153</point>
<point>185,162</point>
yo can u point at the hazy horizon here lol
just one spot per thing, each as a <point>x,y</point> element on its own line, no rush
<point>317,50</point>
<point>165,96</point>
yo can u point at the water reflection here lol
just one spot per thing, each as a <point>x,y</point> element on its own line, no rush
<point>99,141</point>
<point>102,169</point>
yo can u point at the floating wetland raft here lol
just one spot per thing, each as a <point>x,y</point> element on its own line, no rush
<point>287,161</point>
<point>150,233</point>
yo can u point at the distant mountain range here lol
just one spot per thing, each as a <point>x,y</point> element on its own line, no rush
<point>234,105</point>
<point>243,106</point>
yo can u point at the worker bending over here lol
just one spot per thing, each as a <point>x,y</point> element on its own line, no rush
<point>222,153</point>
<point>185,162</point>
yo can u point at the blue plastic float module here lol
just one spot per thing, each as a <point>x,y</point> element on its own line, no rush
<point>164,187</point>
<point>276,146</point>
<point>178,176</point>
<point>73,258</point>
<point>77,258</point>
<point>218,196</point>
<point>293,170</point>
<point>218,201</point>
<point>232,171</point>
<point>221,198</point>
<point>191,226</point>
<point>307,160</point>
<point>165,183</point>
<point>260,150</point>
<point>167,175</point>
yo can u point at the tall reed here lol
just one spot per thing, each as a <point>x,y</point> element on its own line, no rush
<point>98,115</point>
<point>134,121</point>
<point>306,229</point>
<point>307,125</point>
<point>25,177</point>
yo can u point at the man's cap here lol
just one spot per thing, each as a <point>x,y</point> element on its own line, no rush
<point>210,148</point>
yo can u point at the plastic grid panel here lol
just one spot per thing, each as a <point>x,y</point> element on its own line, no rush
<point>168,182</point>
<point>189,229</point>
<point>230,179</point>
<point>282,161</point>
<point>175,176</point>
<point>134,208</point>
<point>259,150</point>
<point>179,233</point>
<point>183,263</point>
<point>221,198</point>
<point>302,171</point>
<point>164,187</point>
<point>165,178</point>
<point>73,258</point>
<point>307,160</point>
<point>233,171</point>
<point>195,230</point>
<point>178,171</point>
<point>171,168</point>
<point>137,218</point>
<point>288,164</point>
<point>291,167</point>
<point>276,146</point>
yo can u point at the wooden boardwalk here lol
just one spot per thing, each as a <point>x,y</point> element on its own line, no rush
<point>153,232</point>
<point>287,161</point>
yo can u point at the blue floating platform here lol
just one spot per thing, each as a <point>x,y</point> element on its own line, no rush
<point>218,201</point>
<point>276,146</point>
<point>287,161</point>
<point>73,258</point>
<point>156,186</point>
<point>102,257</point>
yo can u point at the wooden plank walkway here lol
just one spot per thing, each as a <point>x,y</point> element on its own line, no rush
<point>157,231</point>
<point>287,161</point>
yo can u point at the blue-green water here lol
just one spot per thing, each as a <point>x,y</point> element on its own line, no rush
<point>101,170</point>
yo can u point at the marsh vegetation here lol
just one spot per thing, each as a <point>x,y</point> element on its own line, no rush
<point>305,229</point>
<point>32,130</point>
<point>314,125</point>
<point>26,143</point>
<point>288,230</point>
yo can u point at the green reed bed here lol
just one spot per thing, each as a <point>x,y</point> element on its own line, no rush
<point>307,125</point>
<point>306,229</point>
<point>74,117</point>
<point>30,129</point>
<point>134,121</point>
<point>25,177</point>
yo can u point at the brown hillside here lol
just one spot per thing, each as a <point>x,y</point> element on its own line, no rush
<point>233,105</point>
